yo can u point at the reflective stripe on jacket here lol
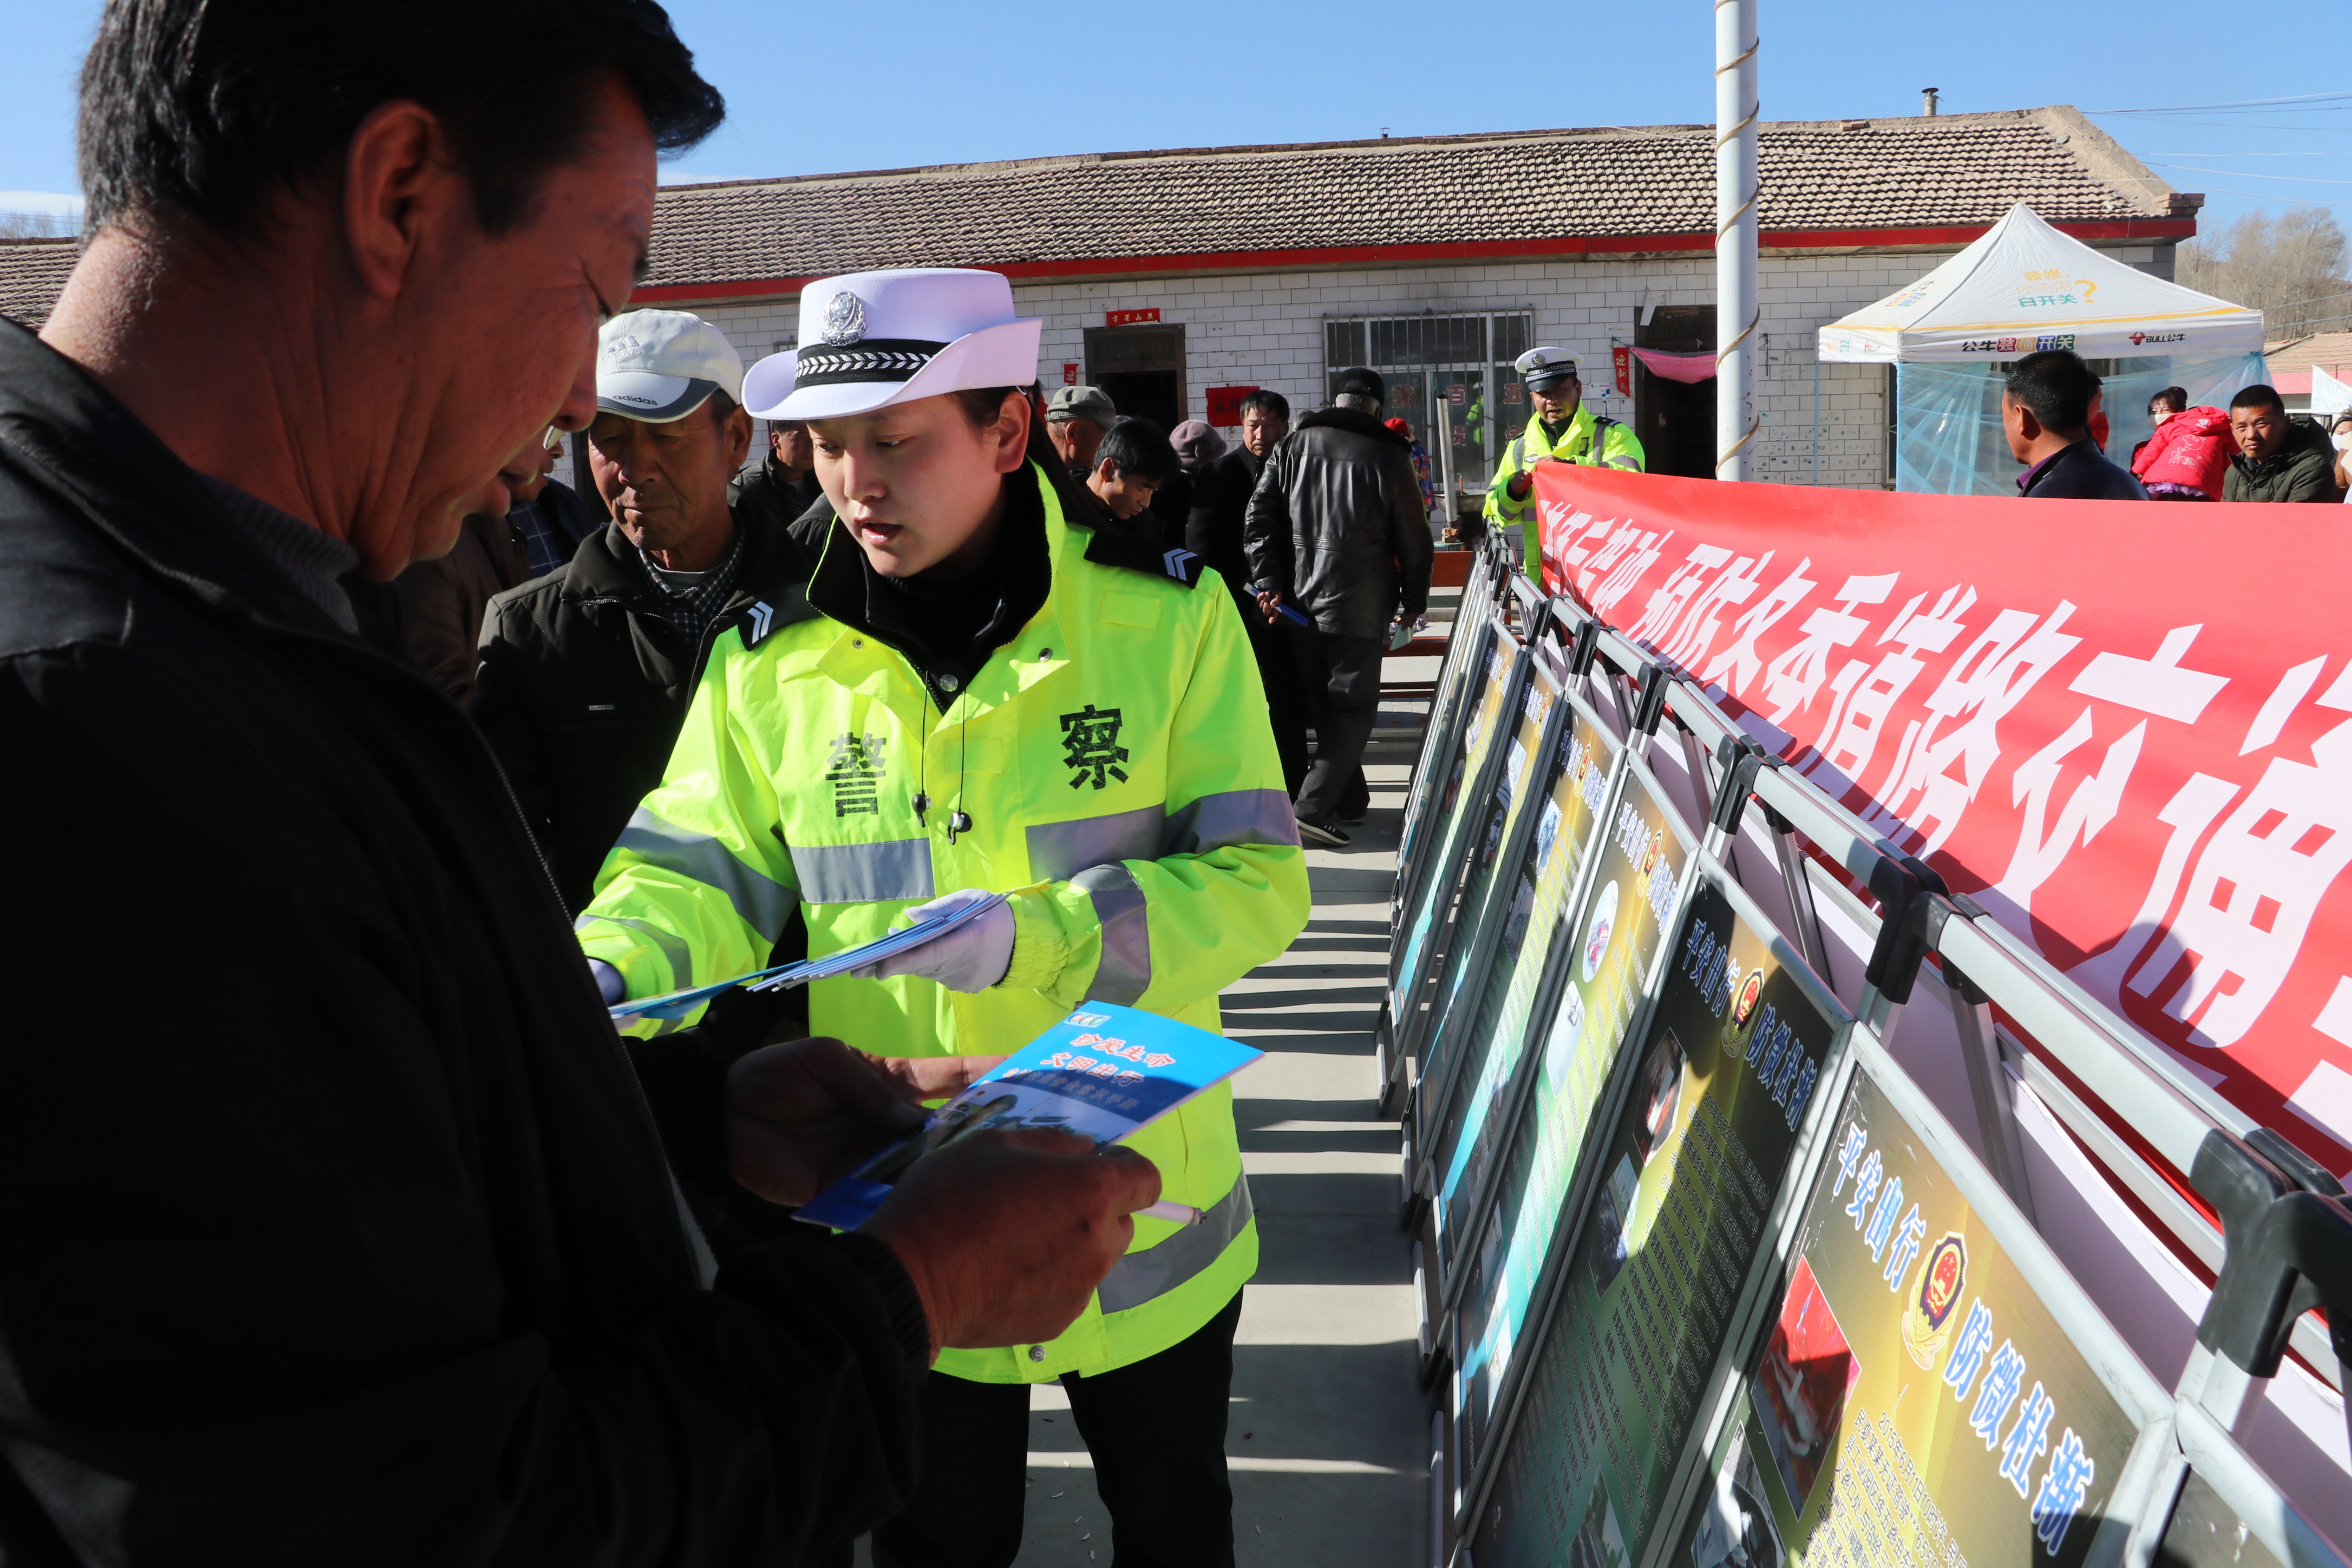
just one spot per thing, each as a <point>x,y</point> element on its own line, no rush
<point>1122,783</point>
<point>1619,448</point>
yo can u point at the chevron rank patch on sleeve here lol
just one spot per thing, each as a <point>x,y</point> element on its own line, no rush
<point>1146,556</point>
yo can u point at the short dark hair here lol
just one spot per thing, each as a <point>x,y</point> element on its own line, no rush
<point>2173,398</point>
<point>2057,386</point>
<point>2258,395</point>
<point>208,109</point>
<point>1142,449</point>
<point>1276,405</point>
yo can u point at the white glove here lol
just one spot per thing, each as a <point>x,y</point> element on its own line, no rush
<point>972,957</point>
<point>609,983</point>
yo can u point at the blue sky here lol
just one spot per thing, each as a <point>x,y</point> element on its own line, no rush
<point>816,90</point>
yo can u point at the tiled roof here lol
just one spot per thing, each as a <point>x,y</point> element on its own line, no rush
<point>1606,185</point>
<point>1610,187</point>
<point>32,275</point>
<point>2332,351</point>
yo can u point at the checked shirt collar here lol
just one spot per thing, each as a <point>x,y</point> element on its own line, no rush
<point>693,611</point>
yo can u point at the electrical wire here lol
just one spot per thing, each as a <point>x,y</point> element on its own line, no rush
<point>2249,175</point>
<point>2313,98</point>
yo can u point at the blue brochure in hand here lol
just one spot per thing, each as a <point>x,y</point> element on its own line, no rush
<point>1103,1072</point>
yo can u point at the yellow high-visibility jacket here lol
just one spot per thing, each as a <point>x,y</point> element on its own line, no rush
<point>1590,441</point>
<point>1121,779</point>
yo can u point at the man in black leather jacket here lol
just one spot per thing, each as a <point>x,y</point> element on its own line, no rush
<point>1337,536</point>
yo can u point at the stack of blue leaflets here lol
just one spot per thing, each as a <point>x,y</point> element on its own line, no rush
<point>679,1003</point>
<point>1104,1072</point>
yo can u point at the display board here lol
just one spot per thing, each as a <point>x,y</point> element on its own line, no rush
<point>1466,655</point>
<point>1641,1307</point>
<point>1422,926</point>
<point>1915,1398</point>
<point>1497,850</point>
<point>1606,964</point>
<point>1461,1141</point>
<point>2207,1532</point>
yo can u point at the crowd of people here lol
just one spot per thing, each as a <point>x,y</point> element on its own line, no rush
<point>2252,451</point>
<point>342,1222</point>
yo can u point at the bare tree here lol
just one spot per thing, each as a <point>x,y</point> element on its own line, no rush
<point>2292,267</point>
<point>36,226</point>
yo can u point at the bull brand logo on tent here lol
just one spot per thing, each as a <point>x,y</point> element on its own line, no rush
<point>1927,1316</point>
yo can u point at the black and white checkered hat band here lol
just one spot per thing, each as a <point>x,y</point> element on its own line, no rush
<point>874,359</point>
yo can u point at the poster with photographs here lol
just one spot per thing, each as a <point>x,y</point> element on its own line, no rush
<point>1463,1148</point>
<point>1913,1399</point>
<point>1451,818</point>
<point>1497,830</point>
<point>1604,950</point>
<point>1718,1089</point>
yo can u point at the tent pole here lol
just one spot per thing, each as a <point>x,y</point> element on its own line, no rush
<point>1735,191</point>
<point>1817,416</point>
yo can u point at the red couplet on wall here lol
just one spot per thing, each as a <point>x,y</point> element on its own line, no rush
<point>1128,318</point>
<point>2124,728</point>
<point>1225,404</point>
<point>1624,358</point>
<point>1069,375</point>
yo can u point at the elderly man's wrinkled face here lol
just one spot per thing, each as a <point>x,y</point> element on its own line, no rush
<point>1260,428</point>
<point>2261,430</point>
<point>665,484</point>
<point>513,321</point>
<point>1075,440</point>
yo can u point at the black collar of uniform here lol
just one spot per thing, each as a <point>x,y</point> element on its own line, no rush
<point>1020,575</point>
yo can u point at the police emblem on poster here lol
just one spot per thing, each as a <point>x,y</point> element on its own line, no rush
<point>845,319</point>
<point>1751,990</point>
<point>1927,1317</point>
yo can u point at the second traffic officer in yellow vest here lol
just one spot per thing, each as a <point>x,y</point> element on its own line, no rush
<point>978,694</point>
<point>1562,429</point>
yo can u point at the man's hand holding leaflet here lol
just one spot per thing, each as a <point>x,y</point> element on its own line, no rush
<point>1104,1072</point>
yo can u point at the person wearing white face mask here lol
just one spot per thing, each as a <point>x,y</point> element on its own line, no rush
<point>2342,438</point>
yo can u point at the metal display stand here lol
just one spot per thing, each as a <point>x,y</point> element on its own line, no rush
<point>2019,1032</point>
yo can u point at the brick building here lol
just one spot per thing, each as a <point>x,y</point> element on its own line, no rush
<point>1172,277</point>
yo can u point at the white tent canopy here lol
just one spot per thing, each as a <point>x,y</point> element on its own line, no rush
<point>2025,287</point>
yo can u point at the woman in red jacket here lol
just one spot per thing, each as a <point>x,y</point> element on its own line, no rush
<point>2189,453</point>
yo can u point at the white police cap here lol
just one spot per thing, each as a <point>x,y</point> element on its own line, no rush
<point>661,365</point>
<point>1540,367</point>
<point>868,340</point>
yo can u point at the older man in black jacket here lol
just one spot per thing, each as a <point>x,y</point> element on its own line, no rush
<point>338,1229</point>
<point>1338,539</point>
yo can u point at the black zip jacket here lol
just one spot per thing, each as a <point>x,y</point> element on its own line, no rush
<point>2082,472</point>
<point>586,679</point>
<point>333,1227</point>
<point>1336,524</point>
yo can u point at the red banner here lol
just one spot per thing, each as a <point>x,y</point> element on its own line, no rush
<point>2122,727</point>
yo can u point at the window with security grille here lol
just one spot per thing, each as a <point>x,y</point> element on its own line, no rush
<point>1450,376</point>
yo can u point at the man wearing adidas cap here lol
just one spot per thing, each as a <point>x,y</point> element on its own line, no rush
<point>586,672</point>
<point>1560,430</point>
<point>978,695</point>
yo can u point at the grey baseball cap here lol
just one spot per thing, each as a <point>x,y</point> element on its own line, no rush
<point>1081,403</point>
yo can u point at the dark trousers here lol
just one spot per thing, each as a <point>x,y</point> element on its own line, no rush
<point>1286,703</point>
<point>1342,678</point>
<point>1156,1429</point>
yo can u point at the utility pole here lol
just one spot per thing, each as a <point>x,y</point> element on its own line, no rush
<point>1736,304</point>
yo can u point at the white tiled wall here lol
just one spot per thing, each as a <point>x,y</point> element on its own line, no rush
<point>1266,329</point>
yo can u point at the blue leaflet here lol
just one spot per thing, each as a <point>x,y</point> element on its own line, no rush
<point>679,1003</point>
<point>1103,1072</point>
